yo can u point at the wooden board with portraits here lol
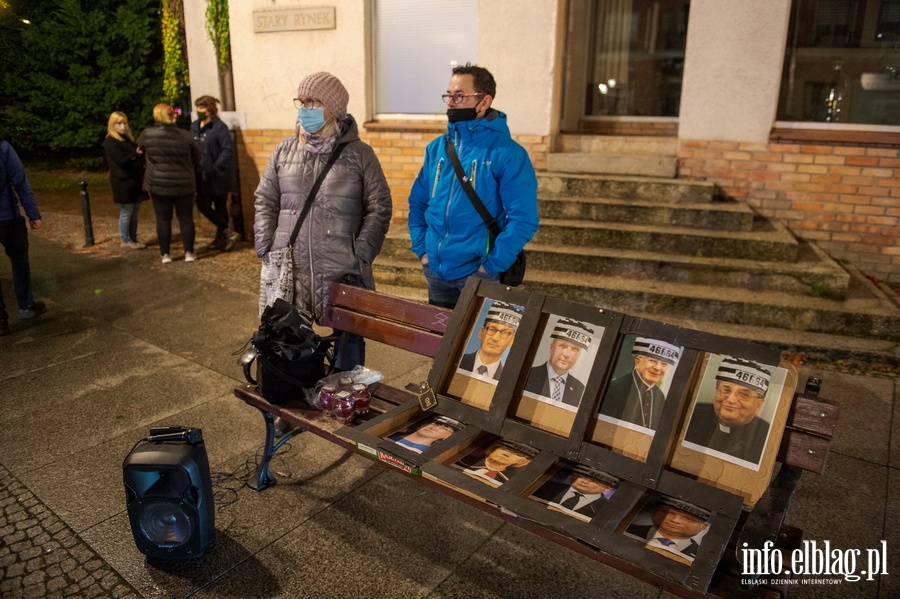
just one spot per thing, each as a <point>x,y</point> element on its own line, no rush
<point>585,420</point>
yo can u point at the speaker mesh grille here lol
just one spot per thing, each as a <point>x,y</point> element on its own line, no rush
<point>165,522</point>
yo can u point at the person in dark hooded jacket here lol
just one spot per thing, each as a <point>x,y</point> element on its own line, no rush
<point>217,176</point>
<point>346,226</point>
<point>126,175</point>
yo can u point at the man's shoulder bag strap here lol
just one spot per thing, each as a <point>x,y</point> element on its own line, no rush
<point>486,216</point>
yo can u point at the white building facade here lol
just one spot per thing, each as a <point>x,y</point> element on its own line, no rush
<point>740,84</point>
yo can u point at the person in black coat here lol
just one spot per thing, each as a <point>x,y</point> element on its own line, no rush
<point>173,167</point>
<point>126,175</point>
<point>217,173</point>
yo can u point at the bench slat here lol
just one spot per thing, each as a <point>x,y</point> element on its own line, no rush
<point>809,452</point>
<point>814,415</point>
<point>411,339</point>
<point>416,314</point>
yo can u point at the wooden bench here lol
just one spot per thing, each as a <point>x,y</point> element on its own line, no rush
<point>419,328</point>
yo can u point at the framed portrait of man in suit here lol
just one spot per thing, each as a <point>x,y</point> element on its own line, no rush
<point>497,462</point>
<point>577,490</point>
<point>562,364</point>
<point>670,526</point>
<point>484,356</point>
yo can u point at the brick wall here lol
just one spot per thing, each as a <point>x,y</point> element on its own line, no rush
<point>652,128</point>
<point>846,198</point>
<point>399,146</point>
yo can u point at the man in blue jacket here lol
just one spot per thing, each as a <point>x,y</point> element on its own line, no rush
<point>14,234</point>
<point>449,237</point>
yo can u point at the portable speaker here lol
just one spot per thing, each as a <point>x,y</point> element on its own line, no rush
<point>168,492</point>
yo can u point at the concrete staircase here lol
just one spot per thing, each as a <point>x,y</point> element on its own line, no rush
<point>677,252</point>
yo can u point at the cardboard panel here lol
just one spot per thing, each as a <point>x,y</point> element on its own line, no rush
<point>740,457</point>
<point>565,366</point>
<point>483,351</point>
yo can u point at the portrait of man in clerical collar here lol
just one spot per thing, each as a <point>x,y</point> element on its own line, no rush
<point>636,395</point>
<point>733,410</point>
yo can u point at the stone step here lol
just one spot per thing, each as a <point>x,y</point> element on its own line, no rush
<point>648,166</point>
<point>861,315</point>
<point>727,216</point>
<point>814,273</point>
<point>767,241</point>
<point>635,145</point>
<point>857,317</point>
<point>657,189</point>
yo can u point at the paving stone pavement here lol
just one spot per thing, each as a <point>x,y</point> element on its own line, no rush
<point>42,557</point>
<point>39,555</point>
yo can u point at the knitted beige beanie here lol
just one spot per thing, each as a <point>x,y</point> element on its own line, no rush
<point>328,89</point>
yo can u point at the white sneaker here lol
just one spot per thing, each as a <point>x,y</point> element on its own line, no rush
<point>189,257</point>
<point>166,258</point>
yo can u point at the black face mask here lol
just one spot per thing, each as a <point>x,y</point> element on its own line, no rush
<point>455,115</point>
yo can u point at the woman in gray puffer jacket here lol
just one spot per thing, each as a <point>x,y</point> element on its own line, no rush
<point>346,226</point>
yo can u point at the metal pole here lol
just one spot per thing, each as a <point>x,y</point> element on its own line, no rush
<point>236,207</point>
<point>86,215</point>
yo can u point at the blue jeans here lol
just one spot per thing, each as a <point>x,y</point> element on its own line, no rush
<point>128,221</point>
<point>446,293</point>
<point>14,239</point>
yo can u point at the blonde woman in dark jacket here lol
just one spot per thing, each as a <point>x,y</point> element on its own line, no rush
<point>126,174</point>
<point>173,166</point>
<point>346,227</point>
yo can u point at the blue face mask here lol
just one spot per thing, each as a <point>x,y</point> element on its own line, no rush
<point>312,119</point>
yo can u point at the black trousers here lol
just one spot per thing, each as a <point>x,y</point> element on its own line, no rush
<point>215,208</point>
<point>184,210</point>
<point>14,239</point>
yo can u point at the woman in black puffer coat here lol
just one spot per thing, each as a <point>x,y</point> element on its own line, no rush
<point>173,166</point>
